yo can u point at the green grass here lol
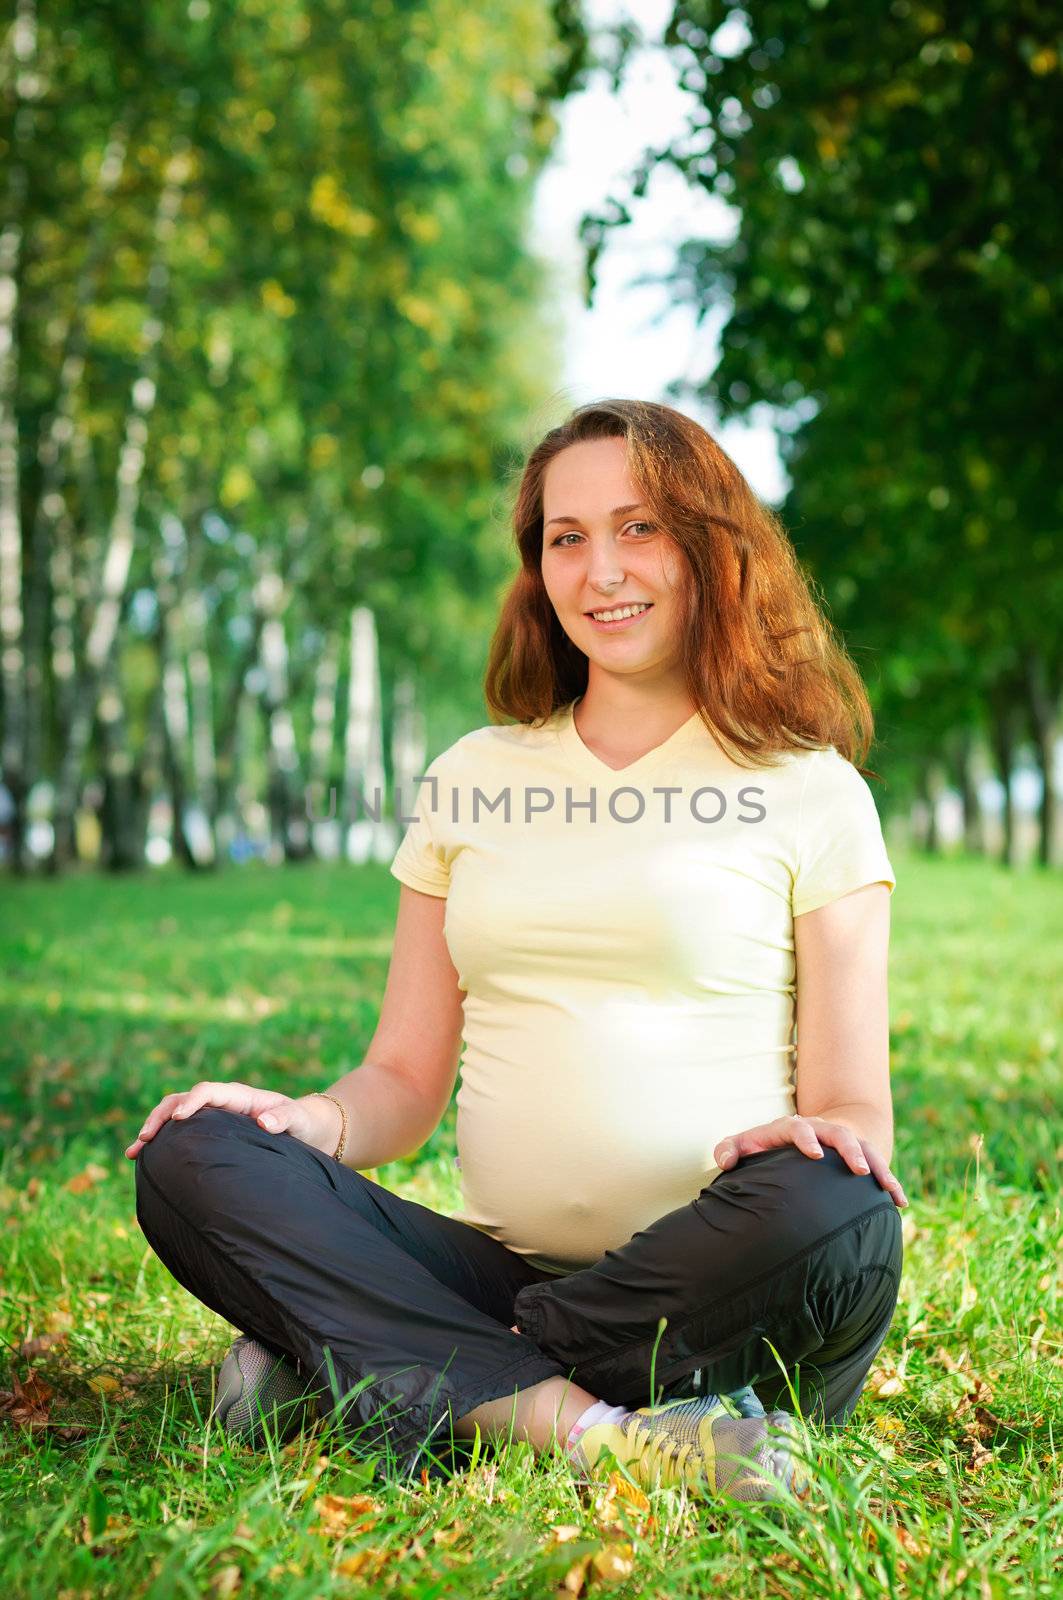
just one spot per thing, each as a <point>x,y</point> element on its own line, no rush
<point>946,1482</point>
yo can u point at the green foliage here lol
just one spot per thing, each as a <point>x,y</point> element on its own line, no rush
<point>891,280</point>
<point>352,325</point>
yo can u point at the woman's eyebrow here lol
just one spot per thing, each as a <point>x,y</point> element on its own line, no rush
<point>617,511</point>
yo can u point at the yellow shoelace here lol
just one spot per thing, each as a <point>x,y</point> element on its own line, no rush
<point>667,1450</point>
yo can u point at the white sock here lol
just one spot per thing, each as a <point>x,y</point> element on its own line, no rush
<point>600,1411</point>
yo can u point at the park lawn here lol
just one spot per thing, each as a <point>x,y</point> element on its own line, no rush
<point>946,1482</point>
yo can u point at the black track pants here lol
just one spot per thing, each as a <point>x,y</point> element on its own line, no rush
<point>415,1308</point>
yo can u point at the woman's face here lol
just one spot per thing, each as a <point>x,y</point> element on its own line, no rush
<point>603,554</point>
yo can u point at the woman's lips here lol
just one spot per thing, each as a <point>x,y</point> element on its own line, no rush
<point>614,627</point>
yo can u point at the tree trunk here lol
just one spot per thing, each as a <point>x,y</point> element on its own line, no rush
<point>227,759</point>
<point>204,766</point>
<point>967,763</point>
<point>1046,716</point>
<point>23,43</point>
<point>367,833</point>
<point>1004,738</point>
<point>122,845</point>
<point>931,784</point>
<point>324,830</point>
<point>122,531</point>
<point>290,834</point>
<point>56,431</point>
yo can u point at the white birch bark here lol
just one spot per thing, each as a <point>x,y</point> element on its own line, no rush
<point>122,530</point>
<point>325,833</point>
<point>201,707</point>
<point>23,43</point>
<point>290,833</point>
<point>367,834</point>
<point>56,432</point>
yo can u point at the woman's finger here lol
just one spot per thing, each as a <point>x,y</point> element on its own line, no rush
<point>804,1137</point>
<point>892,1185</point>
<point>152,1123</point>
<point>201,1094</point>
<point>848,1146</point>
<point>862,1157</point>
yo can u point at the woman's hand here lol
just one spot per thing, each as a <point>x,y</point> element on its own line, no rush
<point>809,1134</point>
<point>312,1119</point>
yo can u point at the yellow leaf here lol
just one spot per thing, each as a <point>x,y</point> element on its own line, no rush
<point>630,1492</point>
<point>341,1514</point>
<point>615,1562</point>
<point>574,1577</point>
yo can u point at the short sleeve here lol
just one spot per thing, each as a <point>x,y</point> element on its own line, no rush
<point>420,861</point>
<point>839,835</point>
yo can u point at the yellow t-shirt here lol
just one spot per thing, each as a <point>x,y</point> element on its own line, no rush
<point>628,974</point>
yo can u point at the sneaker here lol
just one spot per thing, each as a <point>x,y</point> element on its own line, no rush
<point>253,1381</point>
<point>697,1442</point>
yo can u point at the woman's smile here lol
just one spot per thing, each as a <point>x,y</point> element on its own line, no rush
<point>622,622</point>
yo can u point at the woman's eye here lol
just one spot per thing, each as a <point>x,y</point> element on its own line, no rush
<point>648,526</point>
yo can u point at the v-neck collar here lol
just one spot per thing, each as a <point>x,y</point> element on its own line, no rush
<point>580,754</point>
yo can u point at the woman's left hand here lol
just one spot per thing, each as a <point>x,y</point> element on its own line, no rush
<point>810,1134</point>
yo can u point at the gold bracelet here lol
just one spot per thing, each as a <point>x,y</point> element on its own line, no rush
<point>337,1155</point>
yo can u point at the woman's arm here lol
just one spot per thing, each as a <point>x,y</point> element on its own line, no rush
<point>843,1070</point>
<point>397,1097</point>
<point>842,1080</point>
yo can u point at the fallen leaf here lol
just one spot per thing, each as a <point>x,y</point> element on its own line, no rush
<point>88,1179</point>
<point>448,1536</point>
<point>615,1562</point>
<point>629,1492</point>
<point>575,1577</point>
<point>27,1403</point>
<point>342,1514</point>
<point>370,1561</point>
<point>30,1349</point>
<point>910,1542</point>
<point>978,1457</point>
<point>104,1383</point>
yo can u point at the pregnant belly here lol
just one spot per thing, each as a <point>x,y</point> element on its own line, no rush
<point>569,1157</point>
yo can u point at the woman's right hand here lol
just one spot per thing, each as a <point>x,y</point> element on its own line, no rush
<point>311,1118</point>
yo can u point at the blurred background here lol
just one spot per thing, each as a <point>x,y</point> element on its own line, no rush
<point>289,287</point>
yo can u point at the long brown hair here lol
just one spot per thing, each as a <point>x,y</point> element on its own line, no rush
<point>762,663</point>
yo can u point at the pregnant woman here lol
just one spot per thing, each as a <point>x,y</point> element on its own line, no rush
<point>653,905</point>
